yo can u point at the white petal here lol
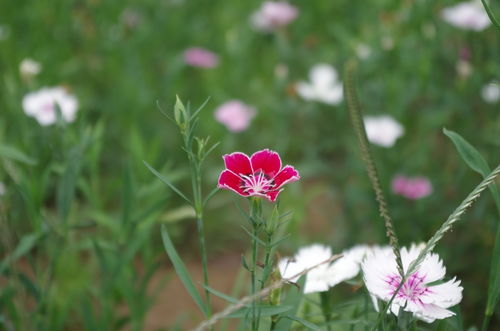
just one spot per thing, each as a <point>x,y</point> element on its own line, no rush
<point>323,75</point>
<point>445,295</point>
<point>306,91</point>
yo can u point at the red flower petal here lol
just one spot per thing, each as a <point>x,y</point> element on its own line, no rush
<point>237,162</point>
<point>272,195</point>
<point>267,161</point>
<point>228,180</point>
<point>287,175</point>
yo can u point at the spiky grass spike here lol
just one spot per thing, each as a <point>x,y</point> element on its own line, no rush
<point>357,121</point>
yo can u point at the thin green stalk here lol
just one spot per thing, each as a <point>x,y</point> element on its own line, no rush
<point>255,217</point>
<point>253,276</point>
<point>326,308</point>
<point>358,124</point>
<point>490,14</point>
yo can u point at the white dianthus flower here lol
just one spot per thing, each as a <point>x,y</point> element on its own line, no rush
<point>383,130</point>
<point>43,104</point>
<point>324,85</point>
<point>323,277</point>
<point>420,294</point>
<point>468,15</point>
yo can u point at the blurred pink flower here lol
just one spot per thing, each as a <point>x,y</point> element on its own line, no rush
<point>411,188</point>
<point>235,115</point>
<point>200,58</point>
<point>273,14</point>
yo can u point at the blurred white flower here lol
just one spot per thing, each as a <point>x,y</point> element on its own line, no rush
<point>363,51</point>
<point>464,68</point>
<point>325,276</point>
<point>235,115</point>
<point>383,130</point>
<point>469,15</point>
<point>273,14</point>
<point>2,189</point>
<point>43,104</point>
<point>418,295</point>
<point>491,92</point>
<point>29,68</point>
<point>324,85</point>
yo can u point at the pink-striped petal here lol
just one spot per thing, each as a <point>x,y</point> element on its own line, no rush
<point>266,161</point>
<point>228,180</point>
<point>287,175</point>
<point>238,162</point>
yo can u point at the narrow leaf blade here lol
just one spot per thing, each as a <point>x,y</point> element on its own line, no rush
<point>166,181</point>
<point>181,270</point>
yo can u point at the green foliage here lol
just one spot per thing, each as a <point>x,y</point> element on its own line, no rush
<point>80,219</point>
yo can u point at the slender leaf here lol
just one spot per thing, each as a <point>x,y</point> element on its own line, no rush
<point>210,195</point>
<point>181,270</point>
<point>25,245</point>
<point>293,298</point>
<point>264,311</point>
<point>221,295</point>
<point>477,163</point>
<point>66,188</point>
<point>14,154</point>
<point>305,323</point>
<point>166,181</point>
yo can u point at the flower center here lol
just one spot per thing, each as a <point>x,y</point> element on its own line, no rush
<point>412,289</point>
<point>256,183</point>
<point>47,107</point>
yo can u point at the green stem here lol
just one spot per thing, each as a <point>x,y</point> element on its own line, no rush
<point>357,122</point>
<point>255,216</point>
<point>253,275</point>
<point>201,239</point>
<point>490,14</point>
<point>326,308</point>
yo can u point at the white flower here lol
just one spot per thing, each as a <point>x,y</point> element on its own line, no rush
<point>29,68</point>
<point>426,301</point>
<point>383,130</point>
<point>491,92</point>
<point>42,105</point>
<point>363,51</point>
<point>326,275</point>
<point>467,15</point>
<point>324,85</point>
<point>464,68</point>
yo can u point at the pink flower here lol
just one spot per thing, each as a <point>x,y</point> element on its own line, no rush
<point>258,175</point>
<point>235,115</point>
<point>411,188</point>
<point>273,14</point>
<point>200,58</point>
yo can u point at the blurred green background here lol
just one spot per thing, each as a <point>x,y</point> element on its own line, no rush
<point>80,214</point>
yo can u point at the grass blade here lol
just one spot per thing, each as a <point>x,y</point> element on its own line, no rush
<point>293,298</point>
<point>166,181</point>
<point>25,245</point>
<point>477,163</point>
<point>15,154</point>
<point>305,323</point>
<point>181,270</point>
